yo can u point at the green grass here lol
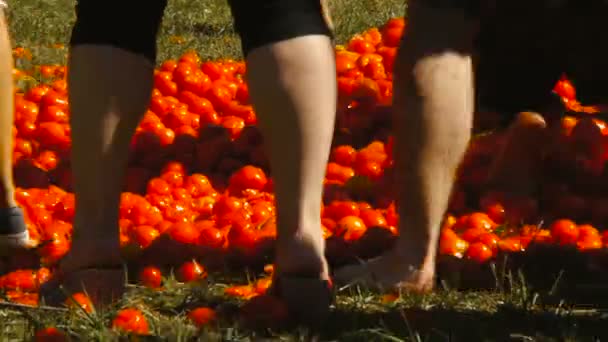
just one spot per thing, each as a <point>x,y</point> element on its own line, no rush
<point>520,314</point>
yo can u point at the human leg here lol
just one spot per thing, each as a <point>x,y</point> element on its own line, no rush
<point>110,80</point>
<point>13,232</point>
<point>433,108</point>
<point>291,72</point>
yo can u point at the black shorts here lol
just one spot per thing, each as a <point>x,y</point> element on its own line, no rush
<point>135,28</point>
<point>473,8</point>
<point>524,47</point>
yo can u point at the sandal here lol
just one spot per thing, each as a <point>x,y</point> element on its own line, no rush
<point>102,284</point>
<point>13,230</point>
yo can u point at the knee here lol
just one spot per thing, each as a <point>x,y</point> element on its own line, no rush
<point>132,28</point>
<point>270,21</point>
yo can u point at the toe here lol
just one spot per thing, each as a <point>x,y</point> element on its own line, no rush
<point>415,288</point>
<point>381,275</point>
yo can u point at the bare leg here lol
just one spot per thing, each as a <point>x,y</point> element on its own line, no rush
<point>6,117</point>
<point>13,232</point>
<point>109,90</point>
<point>518,167</point>
<point>293,89</point>
<point>433,107</point>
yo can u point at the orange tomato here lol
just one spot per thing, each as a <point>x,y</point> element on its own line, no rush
<point>565,231</point>
<point>373,218</point>
<point>81,300</point>
<point>350,228</point>
<point>248,177</point>
<point>479,252</point>
<point>150,276</point>
<point>50,334</point>
<point>131,320</point>
<point>451,244</point>
<point>191,271</point>
<point>202,316</point>
<point>184,232</point>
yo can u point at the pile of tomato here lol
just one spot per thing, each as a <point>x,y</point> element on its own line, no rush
<point>200,192</point>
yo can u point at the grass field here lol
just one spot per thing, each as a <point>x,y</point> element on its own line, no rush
<point>520,314</point>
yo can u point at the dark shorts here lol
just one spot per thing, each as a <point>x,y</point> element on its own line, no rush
<point>473,8</point>
<point>523,47</point>
<point>126,25</point>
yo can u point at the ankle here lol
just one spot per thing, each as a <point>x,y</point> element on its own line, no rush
<point>301,255</point>
<point>4,203</point>
<point>7,198</point>
<point>415,252</point>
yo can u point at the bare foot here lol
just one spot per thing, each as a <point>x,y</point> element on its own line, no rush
<point>301,280</point>
<point>94,267</point>
<point>302,256</point>
<point>389,272</point>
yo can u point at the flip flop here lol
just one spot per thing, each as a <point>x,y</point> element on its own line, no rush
<point>13,230</point>
<point>102,284</point>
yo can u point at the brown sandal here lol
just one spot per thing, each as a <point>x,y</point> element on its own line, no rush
<point>102,284</point>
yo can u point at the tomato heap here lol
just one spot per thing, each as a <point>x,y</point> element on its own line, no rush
<point>198,185</point>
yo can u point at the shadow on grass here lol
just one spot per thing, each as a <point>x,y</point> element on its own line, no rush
<point>554,274</point>
<point>447,324</point>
